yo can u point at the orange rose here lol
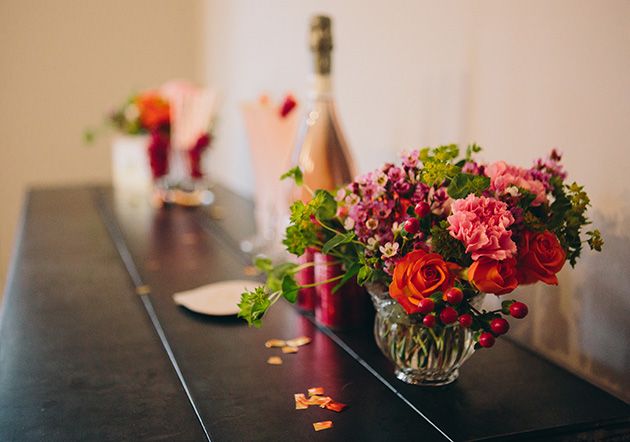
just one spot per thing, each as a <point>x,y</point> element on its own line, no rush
<point>540,257</point>
<point>154,110</point>
<point>492,276</point>
<point>417,275</point>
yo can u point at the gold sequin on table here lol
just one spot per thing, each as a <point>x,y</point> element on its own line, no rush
<point>288,347</point>
<point>316,398</point>
<point>274,360</point>
<point>324,425</point>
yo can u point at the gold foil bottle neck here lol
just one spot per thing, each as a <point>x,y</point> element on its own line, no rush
<point>321,43</point>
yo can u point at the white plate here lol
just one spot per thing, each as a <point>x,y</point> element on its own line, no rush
<point>218,299</point>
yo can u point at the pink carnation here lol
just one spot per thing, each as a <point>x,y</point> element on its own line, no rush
<point>482,223</point>
<point>502,176</point>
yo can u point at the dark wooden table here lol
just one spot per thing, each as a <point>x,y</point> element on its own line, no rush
<point>92,347</point>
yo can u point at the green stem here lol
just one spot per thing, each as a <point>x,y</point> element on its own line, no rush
<point>308,189</point>
<point>315,284</point>
<point>337,232</point>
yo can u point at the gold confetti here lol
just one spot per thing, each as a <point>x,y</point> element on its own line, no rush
<point>250,271</point>
<point>275,343</point>
<point>335,406</point>
<point>316,391</point>
<point>318,400</point>
<point>300,401</point>
<point>324,425</point>
<point>274,360</point>
<point>288,349</point>
<point>298,342</point>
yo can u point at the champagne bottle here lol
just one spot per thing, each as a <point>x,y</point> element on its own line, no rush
<point>321,151</point>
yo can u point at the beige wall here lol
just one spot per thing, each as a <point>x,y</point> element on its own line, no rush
<point>63,64</point>
<point>518,77</point>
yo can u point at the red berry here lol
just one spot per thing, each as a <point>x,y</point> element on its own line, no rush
<point>486,340</point>
<point>465,320</point>
<point>422,209</point>
<point>429,321</point>
<point>426,305</point>
<point>518,310</point>
<point>412,225</point>
<point>448,315</point>
<point>454,296</point>
<point>499,326</point>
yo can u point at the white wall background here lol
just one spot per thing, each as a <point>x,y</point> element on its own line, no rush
<point>517,77</point>
<point>63,65</point>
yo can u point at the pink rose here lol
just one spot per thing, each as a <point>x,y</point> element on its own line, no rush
<point>503,176</point>
<point>482,223</point>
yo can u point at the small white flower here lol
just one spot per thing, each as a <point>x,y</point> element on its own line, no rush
<point>381,179</point>
<point>389,249</point>
<point>371,224</point>
<point>348,224</point>
<point>396,228</point>
<point>372,243</point>
<point>512,190</point>
<point>341,194</point>
<point>352,199</point>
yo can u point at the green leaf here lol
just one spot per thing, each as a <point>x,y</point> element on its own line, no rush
<point>88,136</point>
<point>438,164</point>
<point>253,306</point>
<point>463,184</point>
<point>326,205</point>
<point>472,149</point>
<point>595,240</point>
<point>276,276</point>
<point>289,288</point>
<point>351,272</point>
<point>337,240</point>
<point>364,275</point>
<point>294,173</point>
<point>450,248</point>
<point>263,264</point>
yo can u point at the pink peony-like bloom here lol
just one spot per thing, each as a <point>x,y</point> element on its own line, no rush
<point>503,176</point>
<point>482,223</point>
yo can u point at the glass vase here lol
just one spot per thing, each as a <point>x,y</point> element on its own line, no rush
<point>421,355</point>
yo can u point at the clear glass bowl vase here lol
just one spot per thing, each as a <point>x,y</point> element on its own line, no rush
<point>422,356</point>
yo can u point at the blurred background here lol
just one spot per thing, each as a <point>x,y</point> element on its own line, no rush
<point>516,77</point>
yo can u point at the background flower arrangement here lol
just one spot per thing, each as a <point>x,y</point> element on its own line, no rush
<point>151,113</point>
<point>438,230</point>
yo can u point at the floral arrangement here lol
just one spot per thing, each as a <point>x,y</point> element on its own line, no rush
<point>149,113</point>
<point>438,230</point>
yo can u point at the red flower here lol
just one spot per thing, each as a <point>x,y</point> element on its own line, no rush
<point>492,276</point>
<point>540,257</point>
<point>287,106</point>
<point>194,155</point>
<point>159,146</point>
<point>417,275</point>
<point>154,111</point>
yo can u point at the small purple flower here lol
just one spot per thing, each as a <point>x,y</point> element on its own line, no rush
<point>410,160</point>
<point>402,187</point>
<point>396,174</point>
